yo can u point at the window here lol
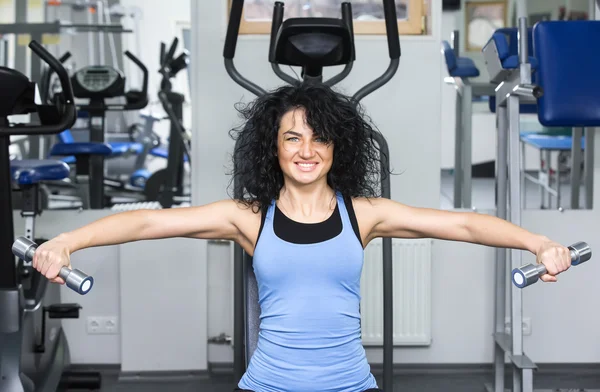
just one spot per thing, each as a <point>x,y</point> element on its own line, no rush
<point>368,14</point>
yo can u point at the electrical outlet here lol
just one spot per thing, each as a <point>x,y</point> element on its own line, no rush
<point>110,325</point>
<point>102,325</point>
<point>94,325</point>
<point>525,323</point>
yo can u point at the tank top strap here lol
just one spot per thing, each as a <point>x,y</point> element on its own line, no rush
<point>270,212</point>
<point>343,211</point>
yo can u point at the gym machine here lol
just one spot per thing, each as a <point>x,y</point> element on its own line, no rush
<point>524,81</point>
<point>39,147</point>
<point>28,364</point>
<point>336,47</point>
<point>167,185</point>
<point>99,83</point>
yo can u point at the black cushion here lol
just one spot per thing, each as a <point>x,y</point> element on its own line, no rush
<point>313,42</point>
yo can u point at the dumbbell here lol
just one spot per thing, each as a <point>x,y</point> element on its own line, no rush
<point>76,280</point>
<point>530,273</point>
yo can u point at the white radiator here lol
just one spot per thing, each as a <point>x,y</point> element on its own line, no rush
<point>412,292</point>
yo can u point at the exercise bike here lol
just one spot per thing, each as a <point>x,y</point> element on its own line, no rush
<point>98,83</point>
<point>29,363</point>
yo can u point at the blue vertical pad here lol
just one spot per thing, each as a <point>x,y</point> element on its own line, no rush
<point>569,73</point>
<point>461,67</point>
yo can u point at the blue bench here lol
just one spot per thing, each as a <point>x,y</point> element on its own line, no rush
<point>27,175</point>
<point>30,172</point>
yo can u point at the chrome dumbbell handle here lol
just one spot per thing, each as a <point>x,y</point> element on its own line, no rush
<point>530,273</point>
<point>75,279</point>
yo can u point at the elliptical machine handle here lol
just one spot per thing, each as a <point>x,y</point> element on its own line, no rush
<point>56,66</point>
<point>169,56</point>
<point>142,102</point>
<point>391,26</point>
<point>233,28</point>
<point>68,116</point>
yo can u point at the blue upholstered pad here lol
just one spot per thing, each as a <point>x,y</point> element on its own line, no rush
<point>507,44</point>
<point>164,153</point>
<point>462,67</point>
<point>120,148</point>
<point>569,72</point>
<point>65,149</point>
<point>139,177</point>
<point>549,142</point>
<point>30,171</point>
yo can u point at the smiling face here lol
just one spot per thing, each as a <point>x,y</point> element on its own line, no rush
<point>304,158</point>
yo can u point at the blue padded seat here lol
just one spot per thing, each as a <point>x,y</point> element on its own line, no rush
<point>122,148</point>
<point>549,142</point>
<point>31,171</point>
<point>117,148</point>
<point>66,149</point>
<point>164,153</point>
<point>507,44</point>
<point>570,72</point>
<point>458,67</point>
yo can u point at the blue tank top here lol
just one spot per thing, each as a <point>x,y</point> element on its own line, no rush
<point>309,295</point>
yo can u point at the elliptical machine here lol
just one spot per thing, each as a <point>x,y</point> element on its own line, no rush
<point>167,185</point>
<point>293,43</point>
<point>29,364</point>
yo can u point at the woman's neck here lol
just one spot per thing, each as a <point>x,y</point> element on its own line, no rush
<point>308,202</point>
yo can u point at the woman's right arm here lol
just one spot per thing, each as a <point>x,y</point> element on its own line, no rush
<point>211,221</point>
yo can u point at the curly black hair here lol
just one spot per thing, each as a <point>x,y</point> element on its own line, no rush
<point>257,177</point>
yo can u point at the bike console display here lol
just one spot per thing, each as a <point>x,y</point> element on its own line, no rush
<point>98,81</point>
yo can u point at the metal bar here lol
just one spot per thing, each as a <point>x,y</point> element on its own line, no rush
<point>501,212</point>
<point>515,217</point>
<point>8,268</point>
<point>527,380</point>
<point>388,281</point>
<point>458,151</point>
<point>523,40</point>
<point>3,52</point>
<point>380,81</point>
<point>455,37</point>
<point>96,171</point>
<point>100,18</point>
<point>576,167</point>
<point>467,143</point>
<point>20,51</point>
<point>90,38</point>
<point>588,164</point>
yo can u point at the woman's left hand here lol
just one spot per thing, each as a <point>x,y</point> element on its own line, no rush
<point>555,257</point>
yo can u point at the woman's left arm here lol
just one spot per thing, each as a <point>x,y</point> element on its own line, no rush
<point>393,219</point>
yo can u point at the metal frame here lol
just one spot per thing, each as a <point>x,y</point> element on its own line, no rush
<point>510,93</point>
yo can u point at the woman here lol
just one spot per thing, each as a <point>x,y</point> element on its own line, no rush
<point>307,167</point>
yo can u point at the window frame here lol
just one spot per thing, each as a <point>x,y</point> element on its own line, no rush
<point>412,25</point>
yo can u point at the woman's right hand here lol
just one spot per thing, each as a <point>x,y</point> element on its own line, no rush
<point>50,257</point>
